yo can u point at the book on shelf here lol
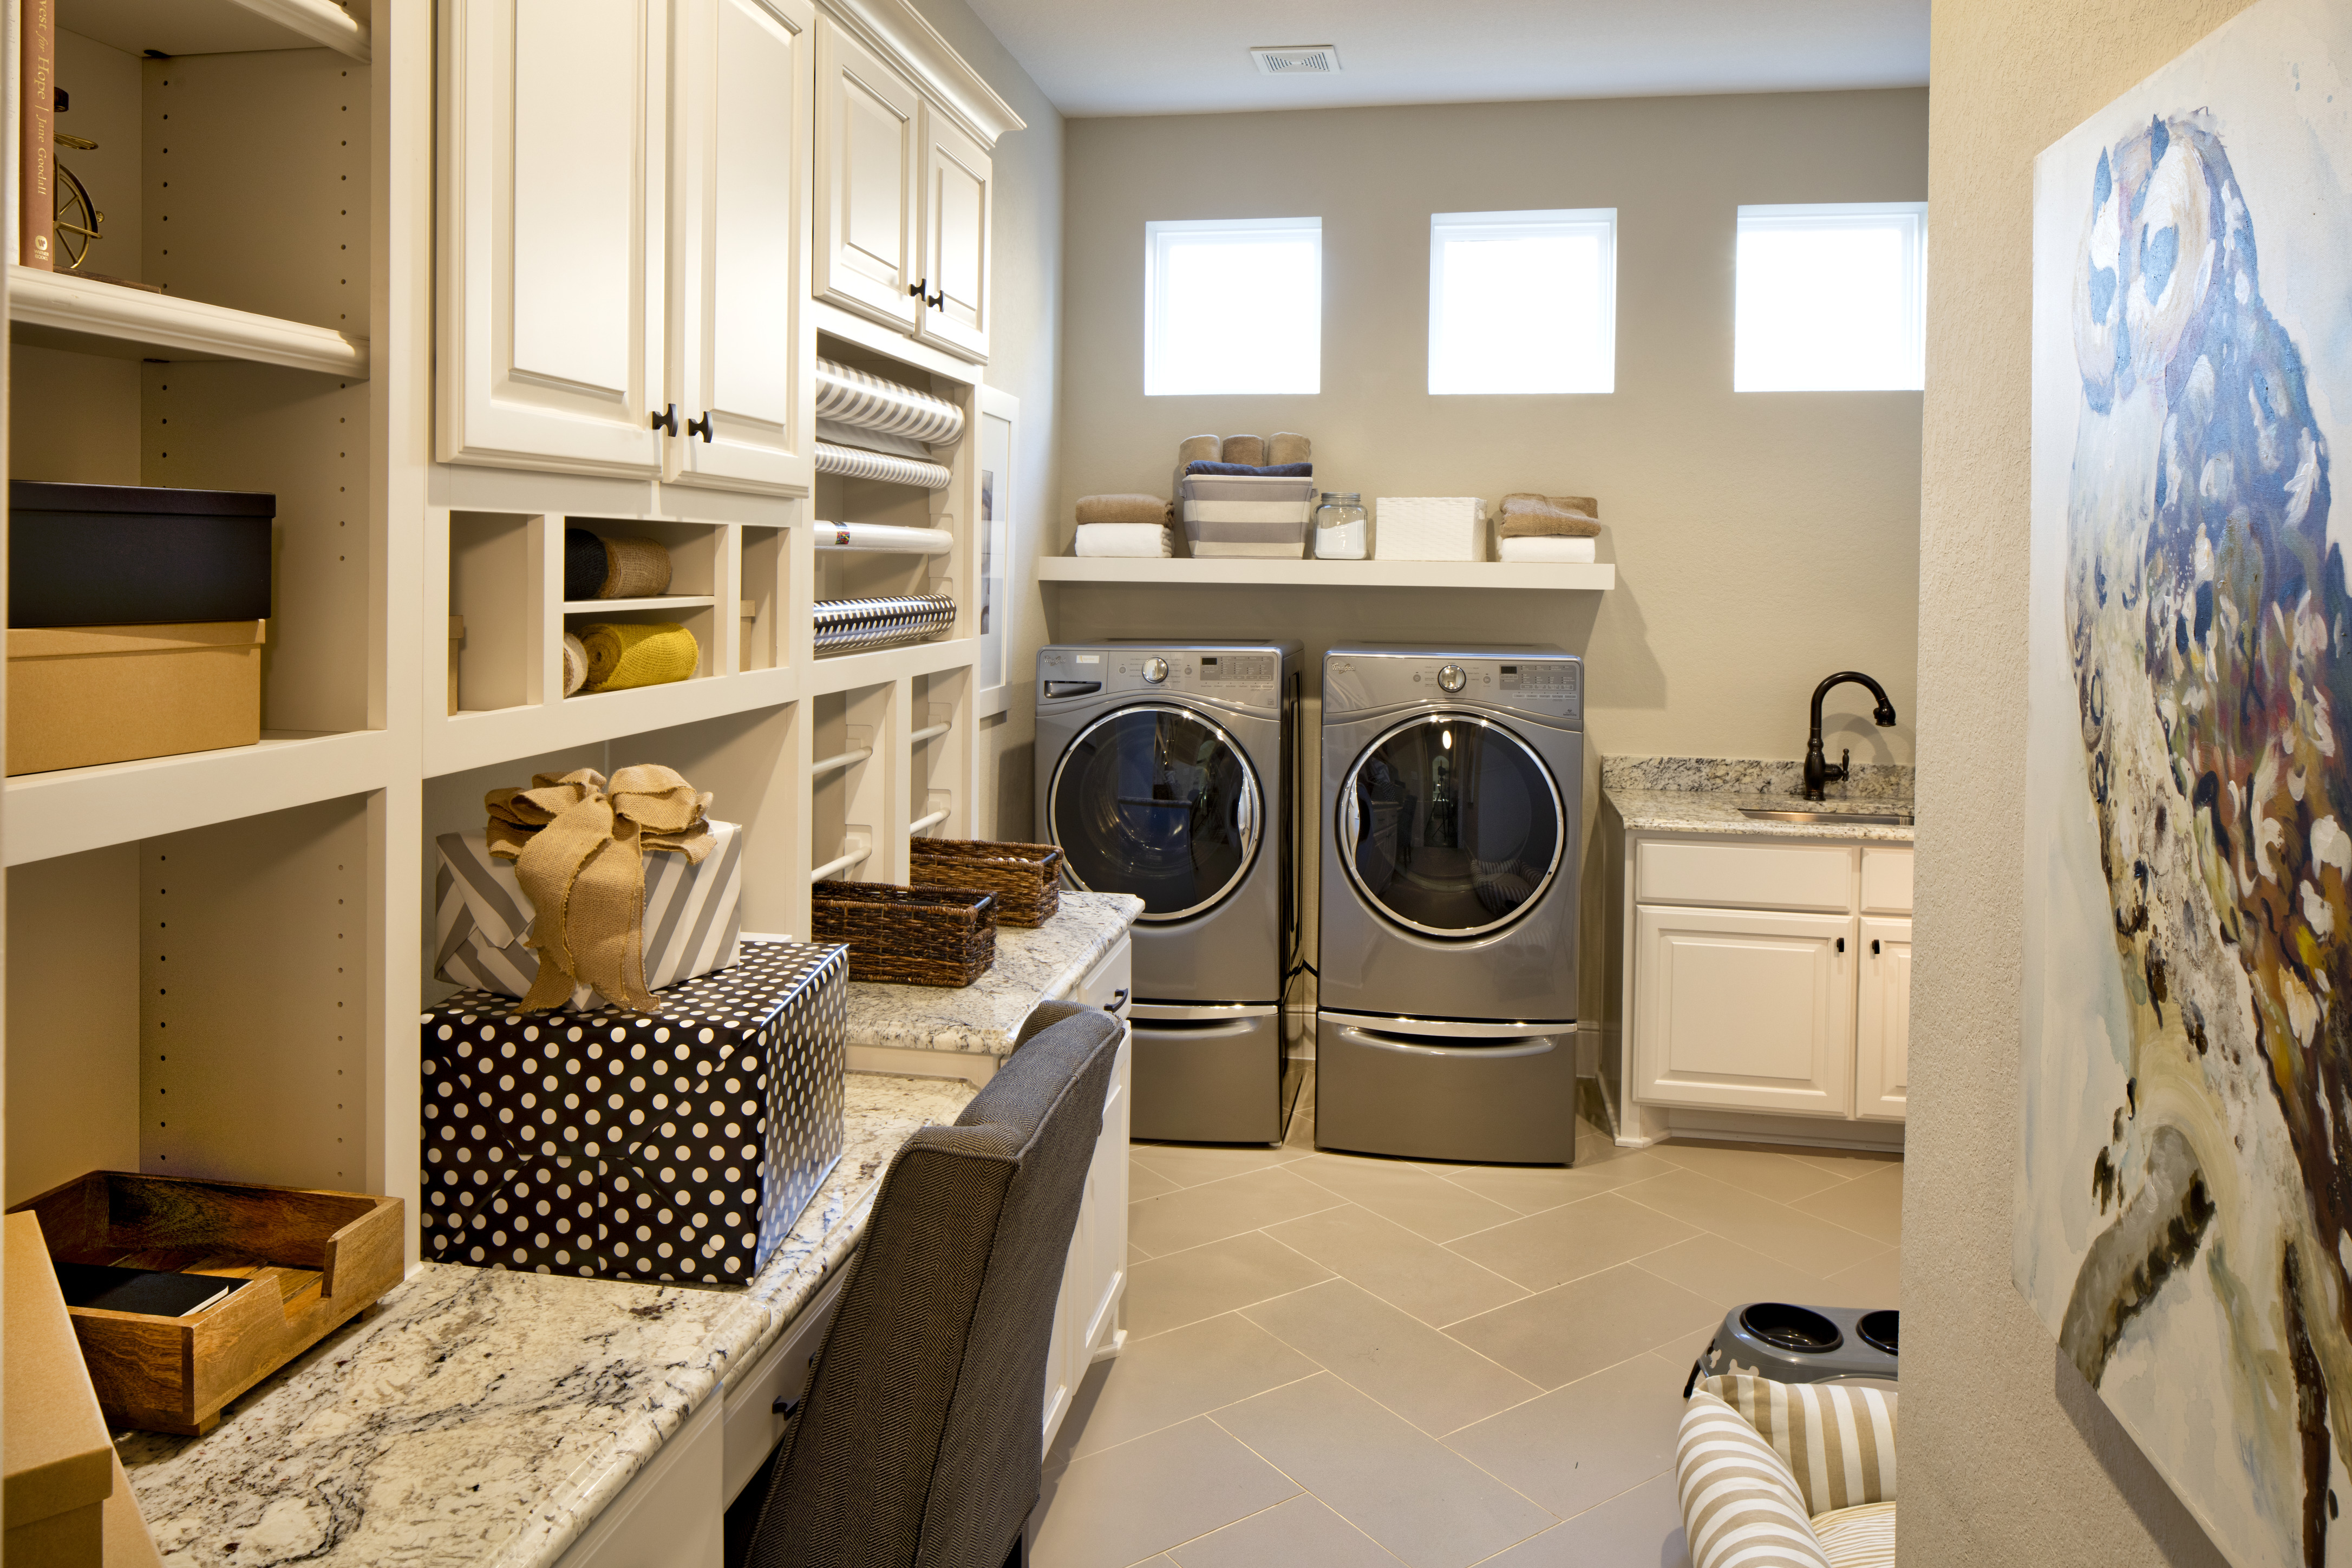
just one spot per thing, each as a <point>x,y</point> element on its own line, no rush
<point>36,201</point>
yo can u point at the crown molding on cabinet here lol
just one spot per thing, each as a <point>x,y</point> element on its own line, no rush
<point>901,32</point>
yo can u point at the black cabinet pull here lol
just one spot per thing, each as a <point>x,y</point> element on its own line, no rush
<point>667,419</point>
<point>1874,947</point>
<point>917,288</point>
<point>700,428</point>
<point>786,1407</point>
<point>937,301</point>
<point>1840,944</point>
<point>1117,1001</point>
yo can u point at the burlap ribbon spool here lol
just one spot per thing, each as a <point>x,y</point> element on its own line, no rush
<point>579,849</point>
<point>625,654</point>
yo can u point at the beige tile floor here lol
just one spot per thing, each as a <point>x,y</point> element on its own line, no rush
<point>1336,1361</point>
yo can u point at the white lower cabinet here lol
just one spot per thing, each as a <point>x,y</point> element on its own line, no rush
<point>1771,977</point>
<point>1089,1320</point>
<point>673,1514</point>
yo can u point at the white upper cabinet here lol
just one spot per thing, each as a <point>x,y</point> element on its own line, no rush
<point>868,175</point>
<point>552,164</point>
<point>742,128</point>
<point>958,192</point>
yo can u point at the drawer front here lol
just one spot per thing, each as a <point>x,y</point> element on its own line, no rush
<point>1886,882</point>
<point>1108,985</point>
<point>753,1427</point>
<point>1746,876</point>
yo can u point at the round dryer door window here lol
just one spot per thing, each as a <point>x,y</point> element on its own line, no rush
<point>1158,802</point>
<point>1450,826</point>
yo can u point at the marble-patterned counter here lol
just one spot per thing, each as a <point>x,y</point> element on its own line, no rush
<point>1704,795</point>
<point>482,1417</point>
<point>1032,963</point>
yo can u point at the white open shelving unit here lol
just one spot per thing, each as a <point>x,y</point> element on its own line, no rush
<point>1231,571</point>
<point>217,962</point>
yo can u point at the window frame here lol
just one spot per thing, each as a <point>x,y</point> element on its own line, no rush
<point>1157,232</point>
<point>1525,225</point>
<point>1799,217</point>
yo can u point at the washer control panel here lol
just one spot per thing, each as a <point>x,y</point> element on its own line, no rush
<point>1540,682</point>
<point>1244,676</point>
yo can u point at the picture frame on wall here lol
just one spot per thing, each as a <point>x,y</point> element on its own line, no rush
<point>999,416</point>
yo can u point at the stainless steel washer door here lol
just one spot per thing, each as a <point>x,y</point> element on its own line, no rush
<point>1157,801</point>
<point>1450,826</point>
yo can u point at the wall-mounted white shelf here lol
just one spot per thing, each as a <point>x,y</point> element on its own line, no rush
<point>140,321</point>
<point>217,27</point>
<point>666,602</point>
<point>474,740</point>
<point>1233,572</point>
<point>848,671</point>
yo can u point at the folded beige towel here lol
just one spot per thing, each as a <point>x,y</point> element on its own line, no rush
<point>1248,449</point>
<point>1288,446</point>
<point>1123,509</point>
<point>1528,515</point>
<point>1198,449</point>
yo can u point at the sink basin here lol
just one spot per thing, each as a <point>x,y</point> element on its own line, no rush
<point>1857,818</point>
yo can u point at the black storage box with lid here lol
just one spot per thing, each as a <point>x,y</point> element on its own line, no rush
<point>679,1145</point>
<point>114,555</point>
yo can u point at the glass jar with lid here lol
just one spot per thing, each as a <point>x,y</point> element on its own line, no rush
<point>1339,530</point>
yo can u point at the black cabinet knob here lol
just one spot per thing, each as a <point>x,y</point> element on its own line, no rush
<point>666,420</point>
<point>917,288</point>
<point>787,1407</point>
<point>700,428</point>
<point>1874,947</point>
<point>1840,944</point>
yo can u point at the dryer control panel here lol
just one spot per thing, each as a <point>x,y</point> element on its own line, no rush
<point>1244,676</point>
<point>1537,682</point>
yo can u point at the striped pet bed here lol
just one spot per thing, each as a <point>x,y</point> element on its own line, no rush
<point>1787,1476</point>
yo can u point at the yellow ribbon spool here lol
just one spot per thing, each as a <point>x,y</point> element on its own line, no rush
<point>625,654</point>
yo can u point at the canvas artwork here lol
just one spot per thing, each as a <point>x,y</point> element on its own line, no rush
<point>2184,1202</point>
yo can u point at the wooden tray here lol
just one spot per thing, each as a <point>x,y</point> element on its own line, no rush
<point>1026,878</point>
<point>319,1257</point>
<point>906,936</point>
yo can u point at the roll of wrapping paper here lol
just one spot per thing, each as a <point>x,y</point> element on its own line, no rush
<point>862,625</point>
<point>575,664</point>
<point>625,654</point>
<point>852,463</point>
<point>597,567</point>
<point>883,536</point>
<point>854,397</point>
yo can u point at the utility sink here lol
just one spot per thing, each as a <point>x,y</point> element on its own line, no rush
<point>1858,818</point>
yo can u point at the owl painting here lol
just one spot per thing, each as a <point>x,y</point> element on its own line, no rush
<point>2186,1195</point>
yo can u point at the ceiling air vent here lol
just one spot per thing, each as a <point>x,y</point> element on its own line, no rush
<point>1298,59</point>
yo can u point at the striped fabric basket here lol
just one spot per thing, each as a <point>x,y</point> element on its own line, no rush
<point>1252,515</point>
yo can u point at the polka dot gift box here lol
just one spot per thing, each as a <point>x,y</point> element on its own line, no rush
<point>675,1145</point>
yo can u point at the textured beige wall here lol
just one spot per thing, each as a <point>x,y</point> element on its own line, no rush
<point>2008,1456</point>
<point>1762,540</point>
<point>1024,359</point>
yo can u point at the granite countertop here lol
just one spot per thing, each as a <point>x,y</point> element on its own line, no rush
<point>486,1417</point>
<point>1032,963</point>
<point>1704,795</point>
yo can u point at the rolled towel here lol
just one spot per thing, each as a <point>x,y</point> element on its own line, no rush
<point>625,654</point>
<point>1543,547</point>
<point>1243,470</point>
<point>1529,515</point>
<point>1199,449</point>
<point>1246,450</point>
<point>1288,446</point>
<point>1129,540</point>
<point>575,664</point>
<point>1122,509</point>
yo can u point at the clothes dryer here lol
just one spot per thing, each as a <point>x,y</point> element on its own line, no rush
<point>1453,791</point>
<point>1166,769</point>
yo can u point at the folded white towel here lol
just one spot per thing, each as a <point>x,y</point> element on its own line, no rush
<point>1543,547</point>
<point>1145,540</point>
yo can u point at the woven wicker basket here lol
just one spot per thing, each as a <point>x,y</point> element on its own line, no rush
<point>1026,878</point>
<point>906,936</point>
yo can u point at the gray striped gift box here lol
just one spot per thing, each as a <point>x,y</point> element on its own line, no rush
<point>694,917</point>
<point>1247,514</point>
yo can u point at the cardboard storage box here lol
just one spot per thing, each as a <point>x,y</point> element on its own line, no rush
<point>78,696</point>
<point>675,1145</point>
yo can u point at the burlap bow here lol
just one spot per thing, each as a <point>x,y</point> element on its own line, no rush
<point>578,851</point>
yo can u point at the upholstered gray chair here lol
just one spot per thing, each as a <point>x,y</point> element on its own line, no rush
<point>918,1443</point>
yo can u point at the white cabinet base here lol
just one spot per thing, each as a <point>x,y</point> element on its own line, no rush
<point>672,1515</point>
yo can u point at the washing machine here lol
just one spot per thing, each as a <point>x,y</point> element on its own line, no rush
<point>1167,771</point>
<point>1445,1022</point>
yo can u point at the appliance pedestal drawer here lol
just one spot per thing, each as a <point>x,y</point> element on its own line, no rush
<point>1208,1074</point>
<point>1506,1096</point>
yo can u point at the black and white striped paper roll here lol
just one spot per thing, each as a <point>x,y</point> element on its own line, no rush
<point>851,464</point>
<point>861,626</point>
<point>854,397</point>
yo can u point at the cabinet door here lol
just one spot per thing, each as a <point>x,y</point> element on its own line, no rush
<point>1745,1009</point>
<point>1882,1036</point>
<point>737,233</point>
<point>1092,1306</point>
<point>958,195</point>
<point>552,166</point>
<point>867,163</point>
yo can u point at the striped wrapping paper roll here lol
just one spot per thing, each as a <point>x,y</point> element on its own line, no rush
<point>854,397</point>
<point>852,463</point>
<point>882,536</point>
<point>861,626</point>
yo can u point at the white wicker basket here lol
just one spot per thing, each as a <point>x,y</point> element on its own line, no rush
<point>1429,528</point>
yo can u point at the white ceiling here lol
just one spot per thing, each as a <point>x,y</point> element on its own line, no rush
<point>1137,57</point>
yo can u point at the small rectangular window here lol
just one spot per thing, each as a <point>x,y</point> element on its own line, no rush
<point>1831,298</point>
<point>1523,302</point>
<point>1233,305</point>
